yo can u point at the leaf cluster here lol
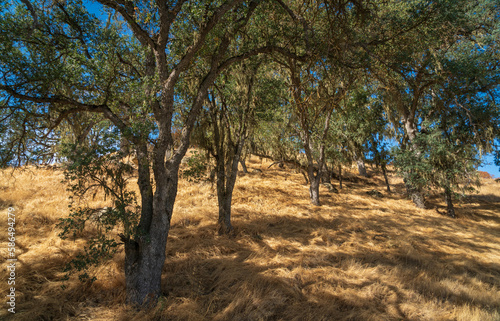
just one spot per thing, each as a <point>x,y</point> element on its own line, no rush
<point>98,171</point>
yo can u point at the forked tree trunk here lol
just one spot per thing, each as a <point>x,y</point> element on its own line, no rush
<point>228,151</point>
<point>225,186</point>
<point>227,157</point>
<point>448,196</point>
<point>305,132</point>
<point>145,253</point>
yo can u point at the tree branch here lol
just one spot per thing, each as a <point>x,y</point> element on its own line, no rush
<point>257,51</point>
<point>127,11</point>
<point>31,9</point>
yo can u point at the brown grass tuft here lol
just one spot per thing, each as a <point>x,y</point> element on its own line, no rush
<point>357,257</point>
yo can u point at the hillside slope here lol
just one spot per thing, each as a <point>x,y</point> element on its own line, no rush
<point>357,257</point>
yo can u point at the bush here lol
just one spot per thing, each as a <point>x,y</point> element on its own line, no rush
<point>196,167</point>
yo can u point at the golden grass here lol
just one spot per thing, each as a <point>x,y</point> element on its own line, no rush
<point>357,257</point>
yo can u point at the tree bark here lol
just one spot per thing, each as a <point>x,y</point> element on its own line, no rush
<point>414,192</point>
<point>244,166</point>
<point>361,166</point>
<point>143,266</point>
<point>384,171</point>
<point>224,221</point>
<point>314,190</point>
<point>415,195</point>
<point>340,176</point>
<point>448,196</point>
<point>326,175</point>
<point>145,254</point>
<point>225,188</point>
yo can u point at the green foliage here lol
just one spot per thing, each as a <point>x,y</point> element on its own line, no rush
<point>67,57</point>
<point>90,170</point>
<point>439,163</point>
<point>196,167</point>
<point>359,127</point>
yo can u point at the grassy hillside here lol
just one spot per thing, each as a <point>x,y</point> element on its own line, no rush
<point>357,257</point>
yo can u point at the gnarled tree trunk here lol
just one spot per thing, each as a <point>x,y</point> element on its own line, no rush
<point>145,252</point>
<point>314,189</point>
<point>414,192</point>
<point>415,195</point>
<point>360,162</point>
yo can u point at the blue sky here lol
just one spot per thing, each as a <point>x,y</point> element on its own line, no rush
<point>96,8</point>
<point>490,166</point>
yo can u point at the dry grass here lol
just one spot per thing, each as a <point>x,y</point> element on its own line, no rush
<point>357,257</point>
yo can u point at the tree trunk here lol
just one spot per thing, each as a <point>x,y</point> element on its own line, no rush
<point>384,170</point>
<point>450,210</point>
<point>414,192</point>
<point>340,176</point>
<point>361,167</point>
<point>415,195</point>
<point>143,266</point>
<point>225,187</point>
<point>224,222</point>
<point>145,255</point>
<point>314,190</point>
<point>244,166</point>
<point>224,195</point>
<point>326,175</point>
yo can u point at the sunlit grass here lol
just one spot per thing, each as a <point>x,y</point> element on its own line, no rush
<point>357,257</point>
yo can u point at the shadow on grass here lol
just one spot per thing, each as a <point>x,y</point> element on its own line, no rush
<point>272,271</point>
<point>354,262</point>
<point>275,270</point>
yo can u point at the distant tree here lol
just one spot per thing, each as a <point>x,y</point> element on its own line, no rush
<point>415,60</point>
<point>359,120</point>
<point>460,126</point>
<point>381,156</point>
<point>231,109</point>
<point>313,115</point>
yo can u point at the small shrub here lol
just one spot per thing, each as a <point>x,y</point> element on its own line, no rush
<point>196,167</point>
